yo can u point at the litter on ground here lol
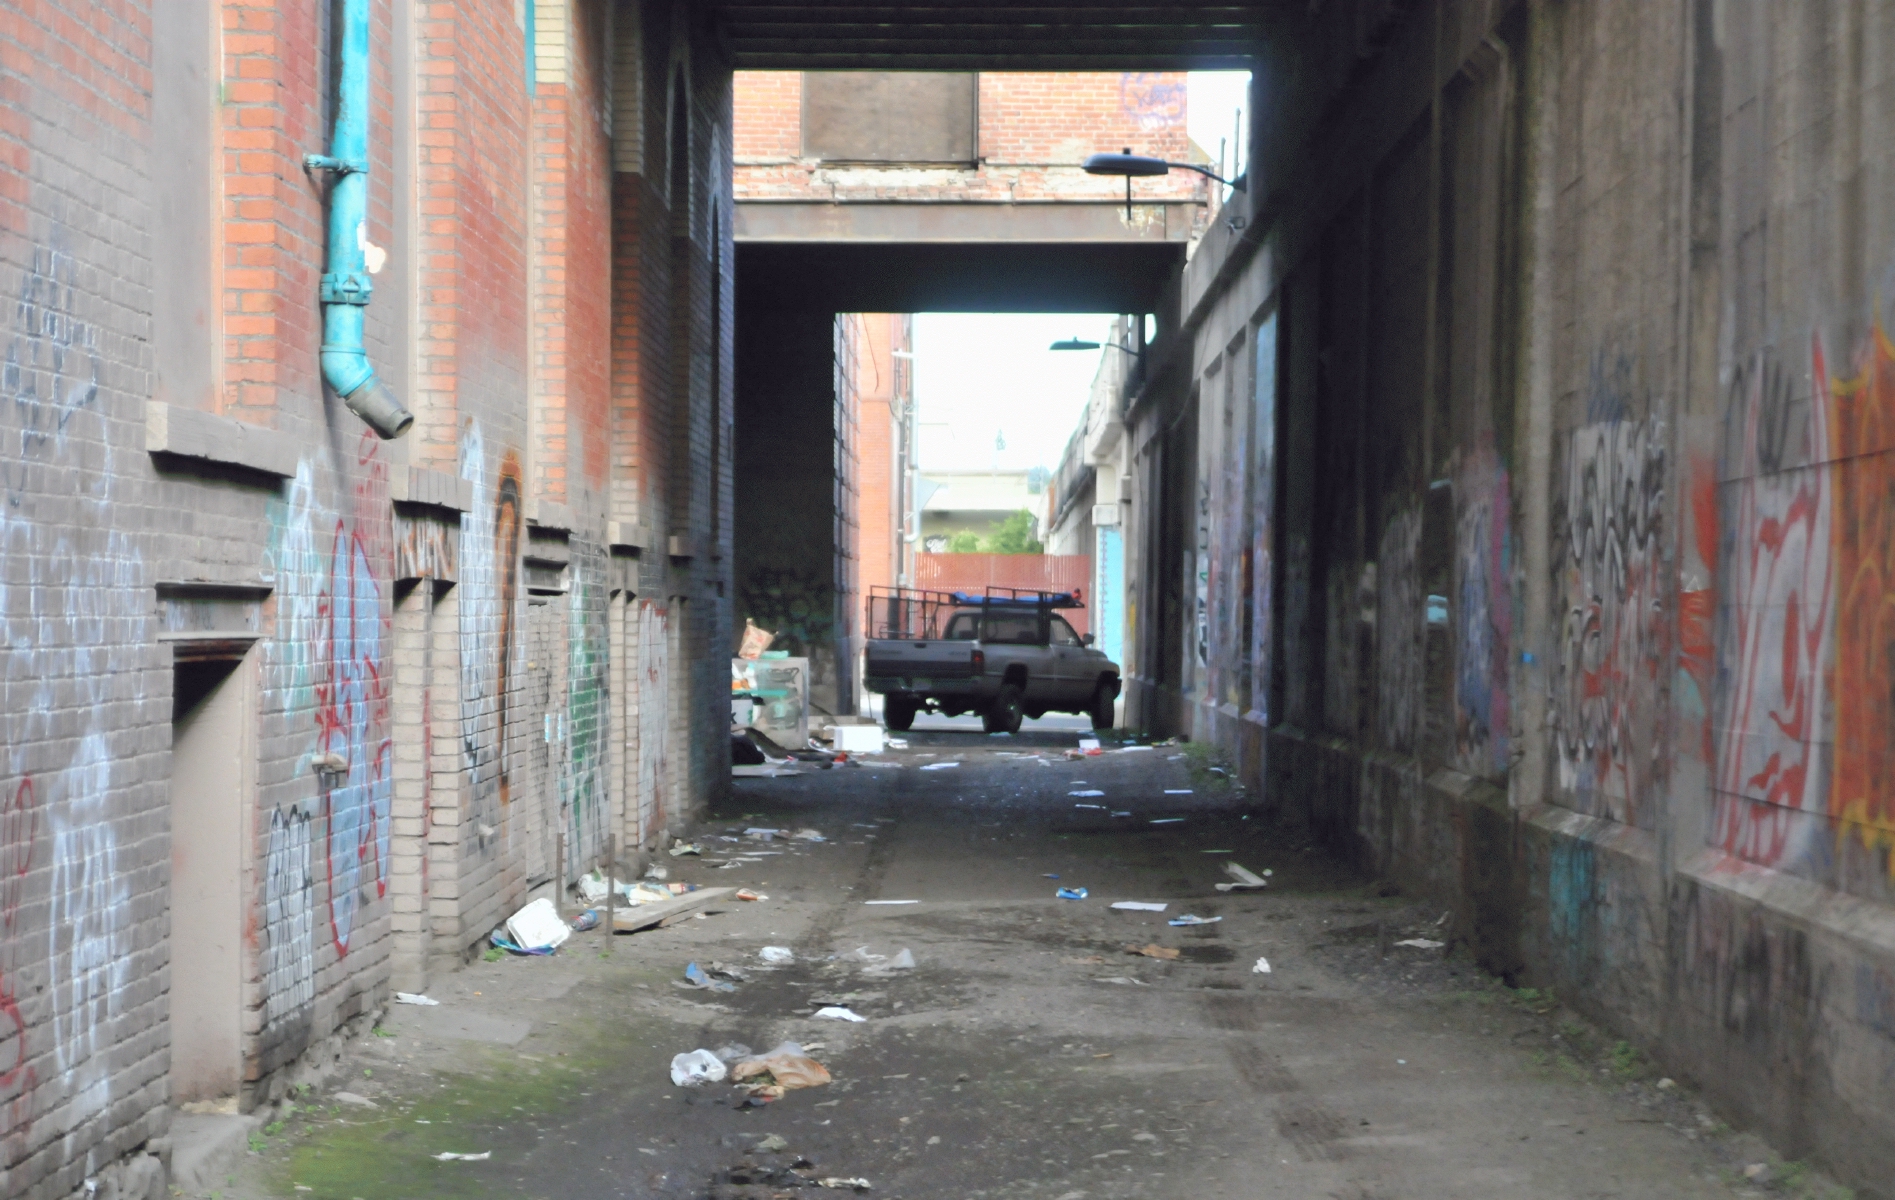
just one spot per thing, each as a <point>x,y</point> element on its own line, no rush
<point>1167,820</point>
<point>891,901</point>
<point>1071,893</point>
<point>1421,943</point>
<point>1177,791</point>
<point>1194,919</point>
<point>537,928</point>
<point>836,1012</point>
<point>451,1156</point>
<point>1140,905</point>
<point>1243,879</point>
<point>785,1068</point>
<point>777,955</point>
<point>1087,792</point>
<point>940,766</point>
<point>1153,950</point>
<point>1262,967</point>
<point>695,1067</point>
<point>411,998</point>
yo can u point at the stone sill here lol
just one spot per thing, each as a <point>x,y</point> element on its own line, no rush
<point>191,433</point>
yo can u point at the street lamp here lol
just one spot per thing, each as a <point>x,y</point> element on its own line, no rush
<point>1138,165</point>
<point>1082,344</point>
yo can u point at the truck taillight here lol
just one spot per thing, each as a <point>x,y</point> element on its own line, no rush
<point>980,662</point>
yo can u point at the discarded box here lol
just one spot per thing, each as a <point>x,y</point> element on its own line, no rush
<point>857,739</point>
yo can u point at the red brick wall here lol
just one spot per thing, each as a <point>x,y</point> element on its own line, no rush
<point>876,492</point>
<point>1035,130</point>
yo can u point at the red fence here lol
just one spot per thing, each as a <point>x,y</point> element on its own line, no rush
<point>1037,572</point>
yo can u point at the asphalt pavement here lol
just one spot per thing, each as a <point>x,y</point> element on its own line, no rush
<point>1039,1048</point>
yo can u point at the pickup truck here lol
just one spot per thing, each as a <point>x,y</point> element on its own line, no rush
<point>1004,654</point>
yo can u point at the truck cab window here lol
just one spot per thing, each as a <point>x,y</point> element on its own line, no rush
<point>1063,634</point>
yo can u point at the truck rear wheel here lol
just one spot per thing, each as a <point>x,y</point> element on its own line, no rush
<point>898,713</point>
<point>1101,708</point>
<point>1004,716</point>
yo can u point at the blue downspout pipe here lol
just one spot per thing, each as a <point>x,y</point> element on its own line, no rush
<point>346,288</point>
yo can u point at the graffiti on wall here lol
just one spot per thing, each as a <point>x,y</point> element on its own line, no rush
<point>1483,613</point>
<point>1154,99</point>
<point>1776,637</point>
<point>1399,613</point>
<point>1198,565</point>
<point>289,917</point>
<point>1806,641</point>
<point>654,703</point>
<point>329,660</point>
<point>491,659</point>
<point>585,793</point>
<point>1228,574</point>
<point>1262,517</point>
<point>1609,514</point>
<point>70,604</point>
<point>1861,413</point>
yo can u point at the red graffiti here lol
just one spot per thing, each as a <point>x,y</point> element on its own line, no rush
<point>1861,413</point>
<point>1697,607</point>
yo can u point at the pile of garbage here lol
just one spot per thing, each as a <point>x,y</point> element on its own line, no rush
<point>761,1077</point>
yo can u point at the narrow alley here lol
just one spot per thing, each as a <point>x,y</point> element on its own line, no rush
<point>454,451</point>
<point>1038,1047</point>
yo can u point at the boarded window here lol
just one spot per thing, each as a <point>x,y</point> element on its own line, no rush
<point>891,116</point>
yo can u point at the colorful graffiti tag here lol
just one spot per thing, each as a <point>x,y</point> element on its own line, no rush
<point>1483,614</point>
<point>1613,632</point>
<point>491,663</point>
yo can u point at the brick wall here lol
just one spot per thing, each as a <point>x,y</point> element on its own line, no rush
<point>1035,130</point>
<point>370,599</point>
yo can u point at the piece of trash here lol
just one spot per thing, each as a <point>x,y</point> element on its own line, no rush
<point>836,1012</point>
<point>1088,792</point>
<point>1262,967</point>
<point>1421,943</point>
<point>808,835</point>
<point>1666,1084</point>
<point>1167,820</point>
<point>451,1156</point>
<point>537,927</point>
<point>697,977</point>
<point>1193,919</point>
<point>1216,852</point>
<point>904,960</point>
<point>586,920</point>
<point>357,1100</point>
<point>1071,894</point>
<point>771,1145</point>
<point>681,846</point>
<point>778,955</point>
<point>1100,807</point>
<point>860,954</point>
<point>698,1066</point>
<point>1049,877</point>
<point>1177,791</point>
<point>898,743</point>
<point>1086,743</point>
<point>1244,879</point>
<point>657,871</point>
<point>1129,749</point>
<point>1126,813</point>
<point>891,901</point>
<point>1126,979</point>
<point>940,766</point>
<point>732,1052</point>
<point>1153,950</point>
<point>860,1185</point>
<point>1141,905</point>
<point>411,998</point>
<point>758,831</point>
<point>1218,771</point>
<point>747,894</point>
<point>785,1068</point>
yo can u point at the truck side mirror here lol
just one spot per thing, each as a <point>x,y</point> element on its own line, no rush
<point>1086,638</point>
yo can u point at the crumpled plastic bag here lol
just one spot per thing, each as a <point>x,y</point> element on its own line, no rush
<point>695,1067</point>
<point>787,1067</point>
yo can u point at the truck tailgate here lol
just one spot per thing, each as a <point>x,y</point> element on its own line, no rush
<point>888,658</point>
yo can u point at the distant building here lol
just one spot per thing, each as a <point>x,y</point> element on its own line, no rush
<point>977,501</point>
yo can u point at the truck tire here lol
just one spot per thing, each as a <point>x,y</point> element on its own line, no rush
<point>1004,715</point>
<point>1101,708</point>
<point>898,713</point>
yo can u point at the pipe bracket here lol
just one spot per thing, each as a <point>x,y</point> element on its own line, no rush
<point>341,166</point>
<point>346,287</point>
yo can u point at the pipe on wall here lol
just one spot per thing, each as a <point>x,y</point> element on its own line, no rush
<point>346,287</point>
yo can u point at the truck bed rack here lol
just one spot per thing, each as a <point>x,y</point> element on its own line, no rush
<point>914,614</point>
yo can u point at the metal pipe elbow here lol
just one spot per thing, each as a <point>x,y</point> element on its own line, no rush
<point>355,381</point>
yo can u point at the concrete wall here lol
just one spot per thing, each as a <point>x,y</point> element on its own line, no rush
<point>1511,505</point>
<point>490,633</point>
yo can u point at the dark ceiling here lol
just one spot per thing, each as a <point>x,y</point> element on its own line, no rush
<point>995,35</point>
<point>972,277</point>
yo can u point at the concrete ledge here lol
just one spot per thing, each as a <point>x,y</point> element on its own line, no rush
<point>627,535</point>
<point>435,489</point>
<point>549,514</point>
<point>189,433</point>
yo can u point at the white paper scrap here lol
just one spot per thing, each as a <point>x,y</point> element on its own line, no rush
<point>1140,905</point>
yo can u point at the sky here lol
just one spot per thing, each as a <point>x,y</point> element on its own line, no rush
<point>979,376</point>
